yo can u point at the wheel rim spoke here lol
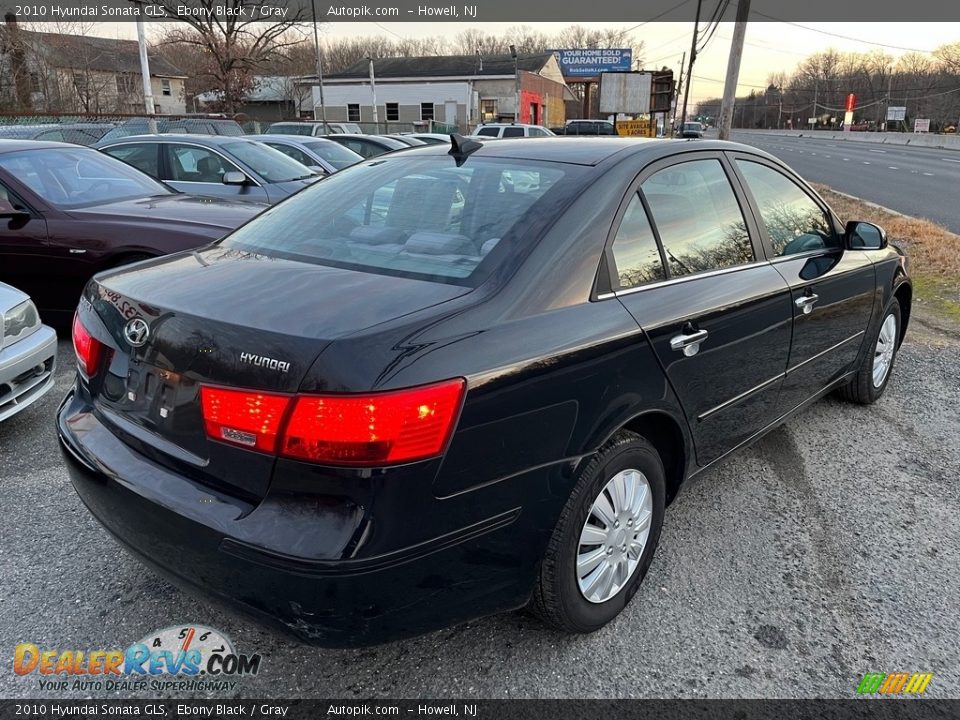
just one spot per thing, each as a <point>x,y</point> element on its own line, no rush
<point>614,536</point>
<point>884,350</point>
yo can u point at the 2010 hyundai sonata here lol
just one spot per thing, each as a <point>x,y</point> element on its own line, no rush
<point>457,381</point>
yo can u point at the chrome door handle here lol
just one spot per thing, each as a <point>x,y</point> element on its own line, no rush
<point>77,251</point>
<point>806,303</point>
<point>688,343</point>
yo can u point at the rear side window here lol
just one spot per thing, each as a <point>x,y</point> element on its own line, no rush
<point>424,218</point>
<point>141,156</point>
<point>794,222</point>
<point>698,218</point>
<point>489,132</point>
<point>513,132</point>
<point>635,249</point>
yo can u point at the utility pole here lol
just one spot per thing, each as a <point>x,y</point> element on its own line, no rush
<point>816,95</point>
<point>693,57</point>
<point>145,73</point>
<point>683,63</point>
<point>516,81</point>
<point>886,105</point>
<point>733,69</point>
<point>316,47</point>
<point>373,92</point>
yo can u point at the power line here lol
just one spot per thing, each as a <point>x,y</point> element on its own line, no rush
<point>656,17</point>
<point>842,37</point>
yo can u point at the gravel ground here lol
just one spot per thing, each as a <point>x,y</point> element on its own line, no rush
<point>829,549</point>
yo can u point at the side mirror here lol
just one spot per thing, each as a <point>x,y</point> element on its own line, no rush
<point>318,170</point>
<point>7,210</point>
<point>861,235</point>
<point>235,177</point>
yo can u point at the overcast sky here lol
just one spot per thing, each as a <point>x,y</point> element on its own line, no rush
<point>770,46</point>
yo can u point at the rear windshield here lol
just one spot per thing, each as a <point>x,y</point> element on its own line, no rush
<point>269,163</point>
<point>290,129</point>
<point>334,153</point>
<point>420,217</point>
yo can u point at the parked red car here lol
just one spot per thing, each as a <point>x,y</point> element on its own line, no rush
<point>67,212</point>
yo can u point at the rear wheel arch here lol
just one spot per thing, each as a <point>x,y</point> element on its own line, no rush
<point>666,435</point>
<point>126,258</point>
<point>904,295</point>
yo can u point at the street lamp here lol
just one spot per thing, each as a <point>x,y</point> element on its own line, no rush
<point>516,81</point>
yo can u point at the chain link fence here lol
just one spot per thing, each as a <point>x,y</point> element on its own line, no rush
<point>89,129</point>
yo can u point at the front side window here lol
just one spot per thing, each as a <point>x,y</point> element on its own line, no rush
<point>794,222</point>
<point>353,112</point>
<point>420,217</point>
<point>635,249</point>
<point>335,154</point>
<point>191,163</point>
<point>69,178</point>
<point>698,218</point>
<point>489,131</point>
<point>513,132</point>
<point>292,152</point>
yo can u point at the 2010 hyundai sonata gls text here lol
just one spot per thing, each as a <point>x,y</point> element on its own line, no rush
<point>459,380</point>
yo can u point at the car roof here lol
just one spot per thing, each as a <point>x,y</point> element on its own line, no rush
<point>588,150</point>
<point>354,136</point>
<point>524,125</point>
<point>13,145</point>
<point>196,138</point>
<point>298,139</point>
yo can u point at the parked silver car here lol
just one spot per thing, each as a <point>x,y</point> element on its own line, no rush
<point>221,166</point>
<point>28,353</point>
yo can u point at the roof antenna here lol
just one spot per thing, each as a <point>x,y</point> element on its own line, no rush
<point>461,147</point>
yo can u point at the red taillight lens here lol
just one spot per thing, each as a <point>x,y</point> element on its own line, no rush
<point>243,417</point>
<point>380,428</point>
<point>89,350</point>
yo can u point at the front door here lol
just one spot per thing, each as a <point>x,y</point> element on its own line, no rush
<point>23,247</point>
<point>718,318</point>
<point>832,289</point>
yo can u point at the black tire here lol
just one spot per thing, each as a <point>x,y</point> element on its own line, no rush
<point>557,597</point>
<point>861,389</point>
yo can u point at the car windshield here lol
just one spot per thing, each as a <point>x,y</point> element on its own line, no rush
<point>691,126</point>
<point>69,178</point>
<point>420,217</point>
<point>334,153</point>
<point>270,164</point>
<point>289,129</point>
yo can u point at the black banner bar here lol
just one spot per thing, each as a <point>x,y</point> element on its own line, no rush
<point>470,12</point>
<point>880,708</point>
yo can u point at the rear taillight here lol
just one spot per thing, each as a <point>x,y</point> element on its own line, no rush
<point>241,417</point>
<point>89,350</point>
<point>382,428</point>
<point>372,429</point>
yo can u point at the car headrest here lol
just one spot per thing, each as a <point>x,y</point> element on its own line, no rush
<point>434,243</point>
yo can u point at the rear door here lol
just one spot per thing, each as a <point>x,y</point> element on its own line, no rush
<point>143,156</point>
<point>686,265</point>
<point>832,289</point>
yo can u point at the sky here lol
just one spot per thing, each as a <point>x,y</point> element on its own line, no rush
<point>769,47</point>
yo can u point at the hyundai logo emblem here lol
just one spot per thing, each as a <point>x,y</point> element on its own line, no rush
<point>137,332</point>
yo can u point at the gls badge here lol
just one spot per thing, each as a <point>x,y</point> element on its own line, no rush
<point>137,332</point>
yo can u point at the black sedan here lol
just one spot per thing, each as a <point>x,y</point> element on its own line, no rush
<point>364,425</point>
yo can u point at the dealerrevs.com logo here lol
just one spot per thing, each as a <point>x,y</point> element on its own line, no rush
<point>176,658</point>
<point>897,683</point>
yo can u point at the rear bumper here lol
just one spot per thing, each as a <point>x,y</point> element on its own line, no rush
<point>215,543</point>
<point>27,370</point>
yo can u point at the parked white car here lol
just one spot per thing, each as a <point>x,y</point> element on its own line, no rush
<point>511,130</point>
<point>28,353</point>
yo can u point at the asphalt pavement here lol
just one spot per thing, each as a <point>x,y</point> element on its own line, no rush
<point>827,550</point>
<point>918,181</point>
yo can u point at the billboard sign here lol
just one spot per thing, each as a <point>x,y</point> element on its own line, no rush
<point>896,112</point>
<point>590,62</point>
<point>625,92</point>
<point>921,125</point>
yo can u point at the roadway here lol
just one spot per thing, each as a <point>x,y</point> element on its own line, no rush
<point>923,182</point>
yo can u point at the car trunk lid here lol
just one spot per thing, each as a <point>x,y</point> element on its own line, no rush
<point>227,319</point>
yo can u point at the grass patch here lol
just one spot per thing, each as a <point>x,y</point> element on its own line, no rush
<point>933,250</point>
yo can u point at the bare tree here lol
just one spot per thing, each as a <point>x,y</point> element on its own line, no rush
<point>234,42</point>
